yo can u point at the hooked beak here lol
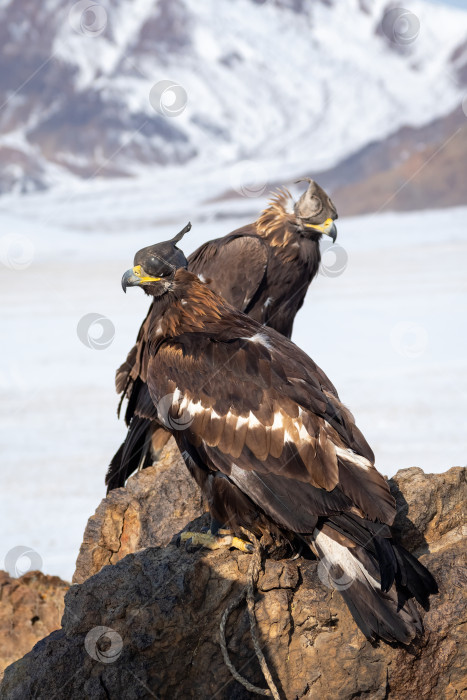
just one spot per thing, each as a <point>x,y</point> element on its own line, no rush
<point>328,228</point>
<point>135,277</point>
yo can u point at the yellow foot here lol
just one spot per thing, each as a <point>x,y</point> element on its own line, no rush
<point>206,539</point>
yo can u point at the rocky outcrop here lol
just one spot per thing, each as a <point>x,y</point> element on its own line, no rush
<point>155,504</point>
<point>431,508</point>
<point>31,607</point>
<point>149,625</point>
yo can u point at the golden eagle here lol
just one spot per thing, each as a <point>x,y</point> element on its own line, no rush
<point>264,269</point>
<point>263,432</point>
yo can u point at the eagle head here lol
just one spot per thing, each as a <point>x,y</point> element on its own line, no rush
<point>154,267</point>
<point>315,211</point>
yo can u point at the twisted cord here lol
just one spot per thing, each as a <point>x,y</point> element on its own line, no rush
<point>248,592</point>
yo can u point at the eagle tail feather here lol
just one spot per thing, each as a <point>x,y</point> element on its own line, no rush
<point>414,577</point>
<point>379,614</point>
<point>132,454</point>
<point>378,586</point>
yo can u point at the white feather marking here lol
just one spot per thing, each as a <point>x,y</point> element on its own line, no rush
<point>278,420</point>
<point>241,420</point>
<point>176,396</point>
<point>261,339</point>
<point>268,302</point>
<point>253,422</point>
<point>303,434</point>
<point>350,456</point>
<point>195,408</point>
<point>215,415</point>
<point>185,403</point>
<point>201,277</point>
<point>191,408</point>
<point>337,554</point>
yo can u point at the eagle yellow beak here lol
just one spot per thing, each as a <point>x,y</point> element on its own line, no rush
<point>135,277</point>
<point>328,228</point>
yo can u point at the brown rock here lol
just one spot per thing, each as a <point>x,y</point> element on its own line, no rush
<point>437,505</point>
<point>155,504</point>
<point>165,605</point>
<point>278,574</point>
<point>31,607</point>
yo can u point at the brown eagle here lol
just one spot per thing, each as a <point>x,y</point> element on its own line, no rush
<point>264,269</point>
<point>263,432</point>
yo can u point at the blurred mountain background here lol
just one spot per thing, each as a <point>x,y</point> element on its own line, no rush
<point>367,97</point>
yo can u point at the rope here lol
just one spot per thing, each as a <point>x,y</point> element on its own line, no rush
<point>248,592</point>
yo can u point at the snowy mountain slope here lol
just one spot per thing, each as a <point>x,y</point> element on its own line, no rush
<point>414,168</point>
<point>287,84</point>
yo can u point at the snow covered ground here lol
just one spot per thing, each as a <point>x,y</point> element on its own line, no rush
<point>385,320</point>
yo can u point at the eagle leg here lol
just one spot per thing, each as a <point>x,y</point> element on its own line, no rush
<point>217,528</point>
<point>210,541</point>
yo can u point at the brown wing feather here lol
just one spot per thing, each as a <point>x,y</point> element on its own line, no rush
<point>235,417</point>
<point>242,256</point>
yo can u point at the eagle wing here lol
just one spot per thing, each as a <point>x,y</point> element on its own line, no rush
<point>261,412</point>
<point>242,250</point>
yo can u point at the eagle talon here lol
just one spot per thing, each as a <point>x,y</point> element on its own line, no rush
<point>210,541</point>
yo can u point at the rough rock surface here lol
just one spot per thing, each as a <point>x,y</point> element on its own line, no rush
<point>155,504</point>
<point>30,608</point>
<point>165,604</point>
